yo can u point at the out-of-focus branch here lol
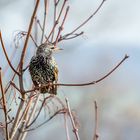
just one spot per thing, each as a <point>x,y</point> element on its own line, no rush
<point>4,107</point>
<point>66,126</point>
<point>5,53</point>
<point>61,111</point>
<point>96,136</point>
<point>75,130</point>
<point>29,124</point>
<point>22,34</point>
<point>83,84</point>
<point>30,117</point>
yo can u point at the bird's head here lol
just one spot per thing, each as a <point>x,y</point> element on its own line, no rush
<point>46,50</point>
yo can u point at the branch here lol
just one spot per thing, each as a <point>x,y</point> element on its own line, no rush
<point>20,35</point>
<point>61,27</point>
<point>83,84</point>
<point>54,17</point>
<point>57,20</point>
<point>66,126</point>
<point>96,136</point>
<point>29,124</point>
<point>15,86</point>
<point>4,107</point>
<point>61,111</point>
<point>72,36</point>
<point>5,53</point>
<point>89,18</point>
<point>75,130</point>
<point>28,35</point>
<point>44,20</point>
<point>9,84</point>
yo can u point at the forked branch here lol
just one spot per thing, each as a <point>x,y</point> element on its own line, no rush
<point>6,55</point>
<point>83,84</point>
<point>64,37</point>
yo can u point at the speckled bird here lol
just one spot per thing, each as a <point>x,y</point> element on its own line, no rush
<point>43,68</point>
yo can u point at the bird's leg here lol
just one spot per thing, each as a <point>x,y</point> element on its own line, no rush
<point>49,86</point>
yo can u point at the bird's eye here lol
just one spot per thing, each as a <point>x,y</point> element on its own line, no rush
<point>52,47</point>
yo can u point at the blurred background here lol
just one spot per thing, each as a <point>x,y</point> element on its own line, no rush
<point>112,33</point>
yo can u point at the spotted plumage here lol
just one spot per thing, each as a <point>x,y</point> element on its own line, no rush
<point>43,69</point>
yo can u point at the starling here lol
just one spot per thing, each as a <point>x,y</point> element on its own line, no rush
<point>43,68</point>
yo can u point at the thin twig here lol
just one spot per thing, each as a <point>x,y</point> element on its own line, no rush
<point>11,59</point>
<point>44,20</point>
<point>29,124</point>
<point>22,34</point>
<point>72,36</point>
<point>75,130</point>
<point>61,111</point>
<point>57,20</point>
<point>66,126</point>
<point>54,18</point>
<point>61,27</point>
<point>28,117</point>
<point>31,116</point>
<point>5,53</point>
<point>4,107</point>
<point>41,28</point>
<point>15,86</point>
<point>9,84</point>
<point>89,18</point>
<point>83,84</point>
<point>96,136</point>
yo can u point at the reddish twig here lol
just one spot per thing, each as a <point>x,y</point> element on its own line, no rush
<point>83,84</point>
<point>44,20</point>
<point>54,17</point>
<point>61,27</point>
<point>89,18</point>
<point>9,84</point>
<point>28,35</point>
<point>11,59</point>
<point>75,129</point>
<point>15,124</point>
<point>4,107</point>
<point>15,86</point>
<point>57,20</point>
<point>2,44</point>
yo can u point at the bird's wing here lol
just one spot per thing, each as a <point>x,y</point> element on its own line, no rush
<point>55,69</point>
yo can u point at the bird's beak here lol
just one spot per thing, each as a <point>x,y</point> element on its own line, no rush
<point>55,49</point>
